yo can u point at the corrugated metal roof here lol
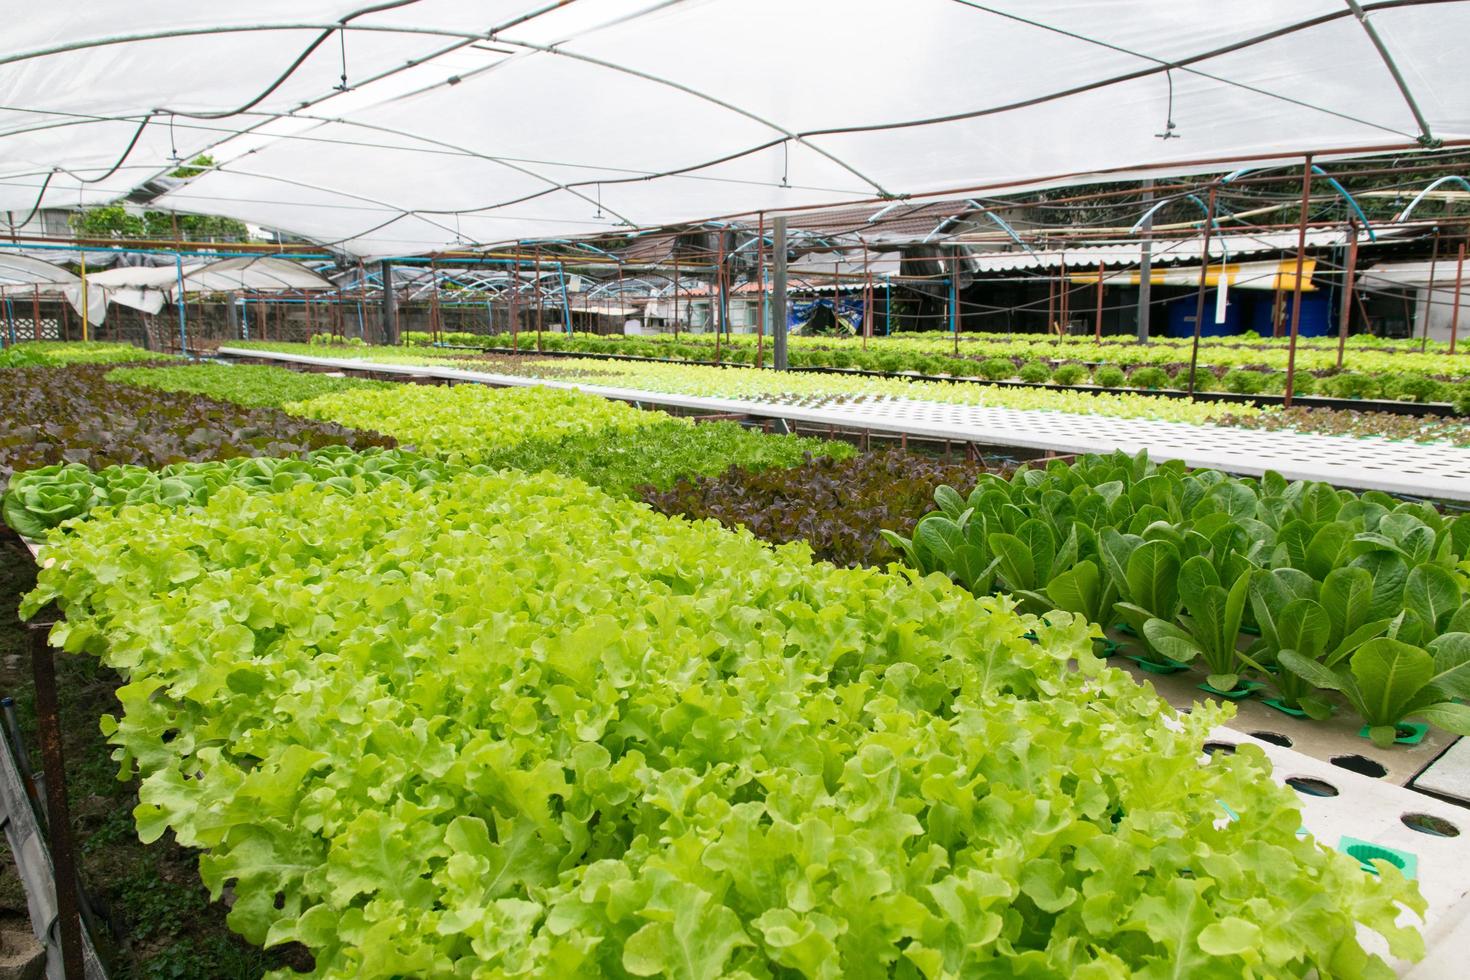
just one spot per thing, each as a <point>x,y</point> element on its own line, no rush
<point>1164,250</point>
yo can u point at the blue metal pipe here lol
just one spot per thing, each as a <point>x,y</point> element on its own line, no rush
<point>183,332</point>
<point>566,308</point>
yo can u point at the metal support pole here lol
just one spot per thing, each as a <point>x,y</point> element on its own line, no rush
<point>954,301</point>
<point>760,293</point>
<point>718,299</point>
<point>540,302</point>
<point>515,315</point>
<point>1345,316</point>
<point>1199,299</point>
<point>86,313</point>
<point>676,287</point>
<point>1428,308</point>
<point>887,306</point>
<point>867,298</point>
<point>1097,325</point>
<point>10,319</point>
<point>390,304</point>
<point>1296,286</point>
<point>433,302</point>
<point>36,312</point>
<point>1146,266</point>
<point>183,328</point>
<point>58,814</point>
<point>1459,279</point>
<point>778,296</point>
<point>566,309</point>
<point>232,316</point>
<point>1051,304</point>
<point>1064,291</point>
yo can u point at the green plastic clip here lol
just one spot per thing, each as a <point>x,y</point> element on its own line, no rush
<point>1405,732</point>
<point>1243,690</point>
<point>1282,707</point>
<point>1167,665</point>
<point>1366,852</point>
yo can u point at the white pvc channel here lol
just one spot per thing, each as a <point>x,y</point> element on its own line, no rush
<point>1373,810</point>
<point>1361,464</point>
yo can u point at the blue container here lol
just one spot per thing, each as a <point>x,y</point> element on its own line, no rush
<point>1316,318</point>
<point>1181,316</point>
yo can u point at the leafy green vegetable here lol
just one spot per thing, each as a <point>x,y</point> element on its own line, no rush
<point>1388,681</point>
<point>1211,624</point>
<point>244,384</point>
<point>654,456</point>
<point>57,353</point>
<point>1186,559</point>
<point>42,499</point>
<point>506,724</point>
<point>471,423</point>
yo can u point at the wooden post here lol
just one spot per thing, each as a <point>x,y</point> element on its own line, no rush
<point>1296,286</point>
<point>58,813</point>
<point>1345,315</point>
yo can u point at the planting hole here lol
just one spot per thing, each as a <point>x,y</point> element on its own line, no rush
<point>1275,738</point>
<point>1308,786</point>
<point>1222,748</point>
<point>1360,764</point>
<point>1367,852</point>
<point>1426,823</point>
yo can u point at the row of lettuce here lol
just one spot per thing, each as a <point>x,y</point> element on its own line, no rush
<point>1394,371</point>
<point>1372,591</point>
<point>688,754</point>
<point>810,388</point>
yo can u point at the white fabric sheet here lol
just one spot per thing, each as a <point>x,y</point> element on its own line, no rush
<point>486,121</point>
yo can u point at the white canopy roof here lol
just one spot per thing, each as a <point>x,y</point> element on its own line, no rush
<point>483,121</point>
<point>147,288</point>
<point>21,275</point>
<point>22,270</point>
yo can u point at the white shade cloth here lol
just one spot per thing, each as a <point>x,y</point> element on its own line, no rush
<point>487,121</point>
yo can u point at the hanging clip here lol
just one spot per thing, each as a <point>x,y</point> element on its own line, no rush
<point>1169,127</point>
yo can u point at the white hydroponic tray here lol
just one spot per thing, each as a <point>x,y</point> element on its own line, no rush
<point>1439,471</point>
<point>1374,810</point>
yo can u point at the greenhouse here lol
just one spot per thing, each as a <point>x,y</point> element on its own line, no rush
<point>830,489</point>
